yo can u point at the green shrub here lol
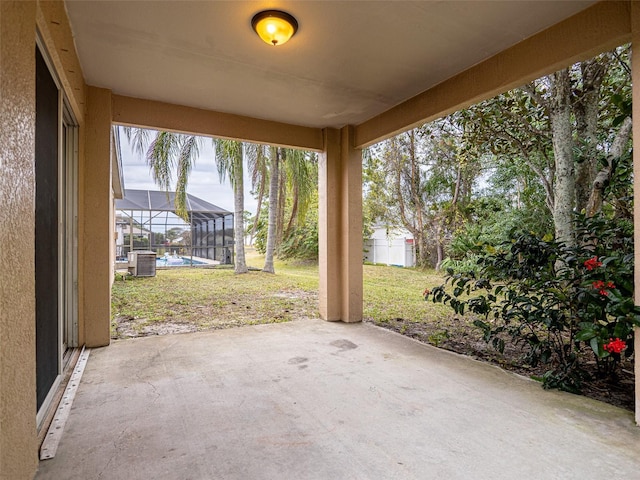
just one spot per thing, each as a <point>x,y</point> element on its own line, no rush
<point>553,300</point>
<point>469,263</point>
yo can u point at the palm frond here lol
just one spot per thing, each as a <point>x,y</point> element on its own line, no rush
<point>138,138</point>
<point>228,158</point>
<point>161,158</point>
<point>189,151</point>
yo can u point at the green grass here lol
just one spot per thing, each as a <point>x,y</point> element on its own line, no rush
<point>391,293</point>
<point>217,298</point>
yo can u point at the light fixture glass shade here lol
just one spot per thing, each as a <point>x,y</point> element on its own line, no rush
<point>274,27</point>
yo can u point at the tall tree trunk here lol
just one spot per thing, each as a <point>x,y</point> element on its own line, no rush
<point>416,200</point>
<point>295,200</point>
<point>256,220</point>
<point>422,252</point>
<point>603,177</point>
<point>274,183</point>
<point>562,139</point>
<point>456,190</point>
<point>585,108</point>
<point>282,198</point>
<point>238,217</point>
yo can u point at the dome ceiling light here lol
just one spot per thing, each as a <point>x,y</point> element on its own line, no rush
<point>274,27</point>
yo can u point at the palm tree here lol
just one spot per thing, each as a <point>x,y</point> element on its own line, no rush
<point>301,173</point>
<point>172,152</point>
<point>258,163</point>
<point>273,210</point>
<point>229,155</point>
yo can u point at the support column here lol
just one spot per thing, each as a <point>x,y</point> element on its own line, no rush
<point>635,71</point>
<point>340,227</point>
<point>96,228</point>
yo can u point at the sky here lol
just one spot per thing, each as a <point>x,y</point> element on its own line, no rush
<point>203,182</point>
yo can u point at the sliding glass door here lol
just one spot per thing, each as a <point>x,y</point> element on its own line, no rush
<point>55,232</point>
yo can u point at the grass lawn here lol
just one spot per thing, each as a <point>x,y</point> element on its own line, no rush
<point>192,299</point>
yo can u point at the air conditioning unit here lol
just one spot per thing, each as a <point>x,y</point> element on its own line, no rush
<point>142,263</point>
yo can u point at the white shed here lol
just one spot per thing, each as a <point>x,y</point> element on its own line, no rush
<point>390,246</point>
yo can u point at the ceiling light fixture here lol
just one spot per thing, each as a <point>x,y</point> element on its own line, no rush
<point>274,27</point>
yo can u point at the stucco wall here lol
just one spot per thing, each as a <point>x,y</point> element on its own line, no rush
<point>18,449</point>
<point>96,202</point>
<point>19,22</point>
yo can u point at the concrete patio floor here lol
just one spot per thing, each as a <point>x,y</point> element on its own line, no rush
<point>316,400</point>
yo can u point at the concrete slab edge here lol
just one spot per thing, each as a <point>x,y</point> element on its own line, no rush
<point>56,429</point>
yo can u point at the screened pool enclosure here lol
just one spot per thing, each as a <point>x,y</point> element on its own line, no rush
<point>146,220</point>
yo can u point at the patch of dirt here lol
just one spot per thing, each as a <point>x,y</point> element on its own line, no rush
<point>460,337</point>
<point>129,327</point>
<point>289,304</point>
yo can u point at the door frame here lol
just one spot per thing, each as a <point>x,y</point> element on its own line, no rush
<point>67,238</point>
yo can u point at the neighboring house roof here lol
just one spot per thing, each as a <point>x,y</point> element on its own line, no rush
<point>158,201</point>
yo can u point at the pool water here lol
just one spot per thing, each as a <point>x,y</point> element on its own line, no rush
<point>176,262</point>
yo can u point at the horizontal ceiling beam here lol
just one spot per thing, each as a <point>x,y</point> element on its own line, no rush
<point>137,112</point>
<point>601,27</point>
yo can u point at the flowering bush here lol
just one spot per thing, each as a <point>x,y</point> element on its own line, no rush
<point>615,346</point>
<point>553,300</point>
<point>602,287</point>
<point>592,263</point>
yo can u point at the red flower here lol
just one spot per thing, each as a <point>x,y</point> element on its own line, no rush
<point>615,346</point>
<point>601,286</point>
<point>592,263</point>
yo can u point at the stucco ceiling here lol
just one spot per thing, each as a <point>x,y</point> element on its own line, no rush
<point>349,61</point>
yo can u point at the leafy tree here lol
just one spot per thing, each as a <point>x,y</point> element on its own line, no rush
<point>295,200</point>
<point>174,233</point>
<point>422,180</point>
<point>558,127</point>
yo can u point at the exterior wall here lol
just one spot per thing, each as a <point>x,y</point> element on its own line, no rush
<point>18,447</point>
<point>19,22</point>
<point>92,111</point>
<point>55,32</point>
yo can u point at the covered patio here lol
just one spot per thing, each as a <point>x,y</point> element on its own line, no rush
<point>306,399</point>
<point>315,400</point>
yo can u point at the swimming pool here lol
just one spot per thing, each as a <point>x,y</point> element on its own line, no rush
<point>175,261</point>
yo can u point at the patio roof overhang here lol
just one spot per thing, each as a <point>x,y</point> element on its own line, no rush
<point>380,66</point>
